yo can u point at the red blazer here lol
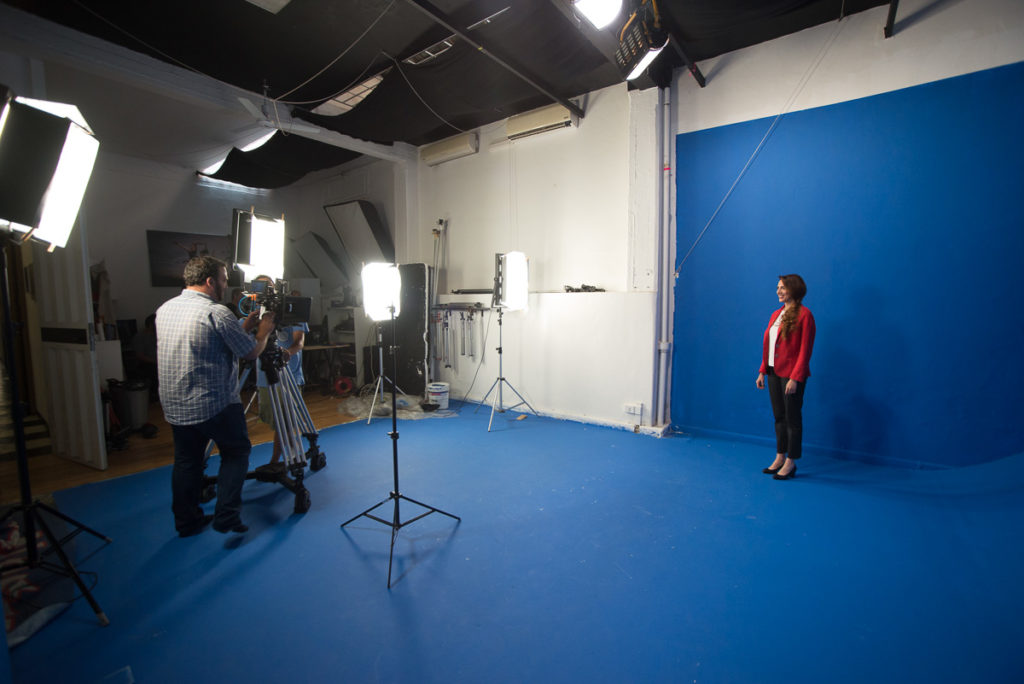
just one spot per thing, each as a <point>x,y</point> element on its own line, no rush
<point>792,353</point>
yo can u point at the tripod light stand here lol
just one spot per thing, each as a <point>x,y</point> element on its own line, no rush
<point>510,292</point>
<point>386,292</point>
<point>45,163</point>
<point>379,389</point>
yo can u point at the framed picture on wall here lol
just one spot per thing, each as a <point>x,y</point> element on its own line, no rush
<point>169,252</point>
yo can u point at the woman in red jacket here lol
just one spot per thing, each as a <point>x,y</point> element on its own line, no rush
<point>785,365</point>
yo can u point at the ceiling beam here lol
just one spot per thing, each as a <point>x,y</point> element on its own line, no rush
<point>397,152</point>
<point>33,36</point>
<point>891,20</point>
<point>690,66</point>
<point>441,18</point>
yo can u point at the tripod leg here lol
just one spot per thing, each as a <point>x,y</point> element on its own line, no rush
<point>484,400</point>
<point>367,513</point>
<point>378,388</point>
<point>521,400</point>
<point>394,532</point>
<point>69,569</point>
<point>433,509</point>
<point>72,521</point>
<point>497,398</point>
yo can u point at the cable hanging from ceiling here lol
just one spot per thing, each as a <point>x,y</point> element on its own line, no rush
<point>420,97</point>
<point>188,67</point>
<point>334,61</point>
<point>801,84</point>
<point>146,45</point>
<point>357,80</point>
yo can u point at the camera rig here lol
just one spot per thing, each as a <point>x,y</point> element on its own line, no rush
<point>272,296</point>
<point>292,421</point>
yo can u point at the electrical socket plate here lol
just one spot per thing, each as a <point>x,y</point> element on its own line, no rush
<point>634,408</point>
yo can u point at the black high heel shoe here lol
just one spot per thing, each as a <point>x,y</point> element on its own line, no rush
<point>771,471</point>
<point>788,476</point>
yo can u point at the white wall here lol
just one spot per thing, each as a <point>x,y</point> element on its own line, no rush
<point>303,203</point>
<point>846,60</point>
<point>127,197</point>
<point>563,198</point>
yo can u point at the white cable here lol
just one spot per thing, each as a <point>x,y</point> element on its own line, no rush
<point>343,52</point>
<point>483,344</point>
<point>358,79</point>
<point>785,110</point>
<point>420,97</point>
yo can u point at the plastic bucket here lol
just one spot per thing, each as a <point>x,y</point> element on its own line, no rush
<point>437,393</point>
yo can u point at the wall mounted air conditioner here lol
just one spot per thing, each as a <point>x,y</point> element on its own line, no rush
<point>550,118</point>
<point>450,148</point>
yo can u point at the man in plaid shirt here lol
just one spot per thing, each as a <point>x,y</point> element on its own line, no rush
<point>199,342</point>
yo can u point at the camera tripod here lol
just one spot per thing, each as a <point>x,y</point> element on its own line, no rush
<point>292,422</point>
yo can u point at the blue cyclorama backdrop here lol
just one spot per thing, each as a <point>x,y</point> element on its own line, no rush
<point>904,212</point>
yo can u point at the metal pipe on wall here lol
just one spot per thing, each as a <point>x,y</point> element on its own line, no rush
<point>665,280</point>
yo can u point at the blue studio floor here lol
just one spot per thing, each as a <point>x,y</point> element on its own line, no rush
<point>584,554</point>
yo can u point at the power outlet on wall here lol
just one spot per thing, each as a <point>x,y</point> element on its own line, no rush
<point>634,408</point>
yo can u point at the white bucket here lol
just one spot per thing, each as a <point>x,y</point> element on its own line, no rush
<point>437,393</point>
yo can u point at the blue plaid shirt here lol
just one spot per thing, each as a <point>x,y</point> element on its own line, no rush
<point>198,345</point>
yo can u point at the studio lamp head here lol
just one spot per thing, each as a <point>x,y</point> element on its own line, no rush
<point>259,245</point>
<point>600,13</point>
<point>511,281</point>
<point>47,152</point>
<point>382,290</point>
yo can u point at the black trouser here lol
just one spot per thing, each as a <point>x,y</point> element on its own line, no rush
<point>788,411</point>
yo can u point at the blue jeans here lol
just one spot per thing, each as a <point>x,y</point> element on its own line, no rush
<point>228,431</point>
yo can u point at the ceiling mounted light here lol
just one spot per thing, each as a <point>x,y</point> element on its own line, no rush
<point>645,61</point>
<point>600,13</point>
<point>641,40</point>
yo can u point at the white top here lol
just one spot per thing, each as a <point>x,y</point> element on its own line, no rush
<point>773,337</point>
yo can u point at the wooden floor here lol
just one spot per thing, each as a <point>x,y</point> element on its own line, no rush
<point>49,473</point>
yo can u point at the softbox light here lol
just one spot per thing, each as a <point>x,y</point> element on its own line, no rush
<point>259,245</point>
<point>47,153</point>
<point>382,290</point>
<point>514,281</point>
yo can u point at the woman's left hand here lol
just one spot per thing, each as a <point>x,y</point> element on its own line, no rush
<point>791,386</point>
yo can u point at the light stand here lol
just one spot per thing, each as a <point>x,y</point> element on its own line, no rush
<point>47,152</point>
<point>395,496</point>
<point>380,374</point>
<point>498,404</point>
<point>31,510</point>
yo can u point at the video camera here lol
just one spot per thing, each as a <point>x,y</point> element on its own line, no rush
<point>273,297</point>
